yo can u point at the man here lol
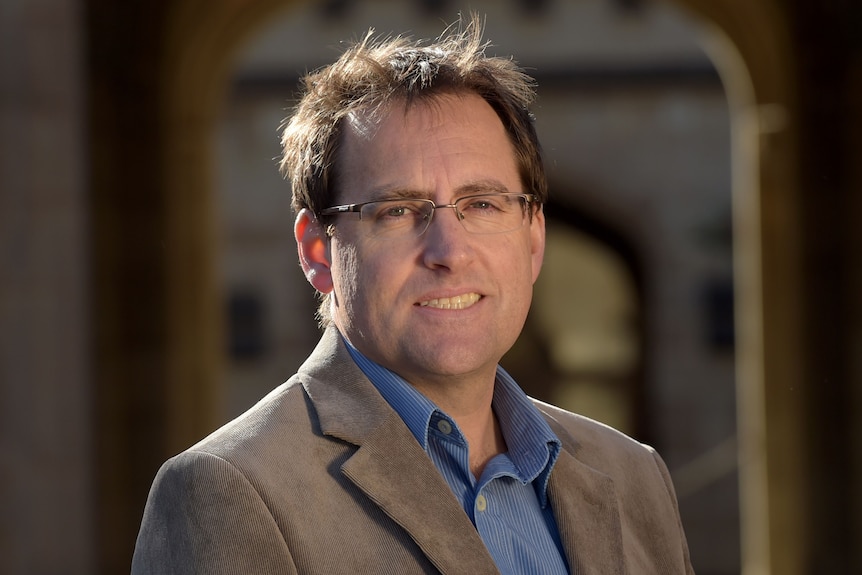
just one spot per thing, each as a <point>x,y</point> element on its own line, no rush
<point>400,446</point>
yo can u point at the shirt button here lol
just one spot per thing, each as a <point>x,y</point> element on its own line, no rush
<point>444,426</point>
<point>481,503</point>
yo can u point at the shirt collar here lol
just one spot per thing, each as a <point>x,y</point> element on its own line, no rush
<point>533,447</point>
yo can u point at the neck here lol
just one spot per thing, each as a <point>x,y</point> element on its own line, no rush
<point>471,409</point>
<point>485,441</point>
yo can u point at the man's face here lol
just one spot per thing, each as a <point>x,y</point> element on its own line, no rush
<point>390,298</point>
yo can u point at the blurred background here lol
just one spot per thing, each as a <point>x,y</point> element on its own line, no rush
<point>702,289</point>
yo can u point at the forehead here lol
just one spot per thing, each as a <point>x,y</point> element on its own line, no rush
<point>366,122</point>
<point>426,146</point>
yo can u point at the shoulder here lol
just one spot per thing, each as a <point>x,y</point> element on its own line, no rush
<point>183,528</point>
<point>266,453</point>
<point>280,425</point>
<point>641,484</point>
<point>598,445</point>
<point>586,430</point>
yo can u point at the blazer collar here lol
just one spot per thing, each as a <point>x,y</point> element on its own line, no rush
<point>389,465</point>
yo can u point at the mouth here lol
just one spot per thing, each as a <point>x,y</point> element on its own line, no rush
<point>462,301</point>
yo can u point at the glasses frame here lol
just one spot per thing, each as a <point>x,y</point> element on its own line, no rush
<point>529,200</point>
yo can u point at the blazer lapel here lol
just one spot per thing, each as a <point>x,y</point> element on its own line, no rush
<point>584,504</point>
<point>389,465</point>
<point>393,471</point>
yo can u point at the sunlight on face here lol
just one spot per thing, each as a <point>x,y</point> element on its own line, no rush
<point>446,304</point>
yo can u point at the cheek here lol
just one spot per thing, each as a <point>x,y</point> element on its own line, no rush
<point>521,261</point>
<point>345,273</point>
<point>363,279</point>
<point>522,275</point>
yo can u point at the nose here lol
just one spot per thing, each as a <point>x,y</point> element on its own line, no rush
<point>445,242</point>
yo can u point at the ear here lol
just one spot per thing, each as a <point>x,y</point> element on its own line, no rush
<point>313,247</point>
<point>537,241</point>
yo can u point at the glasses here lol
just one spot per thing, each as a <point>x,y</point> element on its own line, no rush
<point>409,217</point>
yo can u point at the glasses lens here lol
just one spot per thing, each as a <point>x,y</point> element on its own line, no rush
<point>492,213</point>
<point>397,217</point>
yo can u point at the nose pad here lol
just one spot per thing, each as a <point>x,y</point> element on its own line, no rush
<point>430,216</point>
<point>458,214</point>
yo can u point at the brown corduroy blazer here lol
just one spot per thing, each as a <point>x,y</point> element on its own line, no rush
<point>322,476</point>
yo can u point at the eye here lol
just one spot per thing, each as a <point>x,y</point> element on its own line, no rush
<point>392,210</point>
<point>482,204</point>
<point>485,204</point>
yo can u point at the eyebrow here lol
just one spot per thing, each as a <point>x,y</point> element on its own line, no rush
<point>470,188</point>
<point>482,187</point>
<point>398,194</point>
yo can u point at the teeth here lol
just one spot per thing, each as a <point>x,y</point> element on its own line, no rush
<point>458,302</point>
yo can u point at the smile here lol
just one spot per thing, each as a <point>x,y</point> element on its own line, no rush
<point>458,302</point>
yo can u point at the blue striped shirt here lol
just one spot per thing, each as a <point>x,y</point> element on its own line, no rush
<point>508,504</point>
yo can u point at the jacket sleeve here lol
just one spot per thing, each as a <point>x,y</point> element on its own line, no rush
<point>204,516</point>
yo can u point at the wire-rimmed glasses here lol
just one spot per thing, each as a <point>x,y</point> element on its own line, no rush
<point>409,217</point>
